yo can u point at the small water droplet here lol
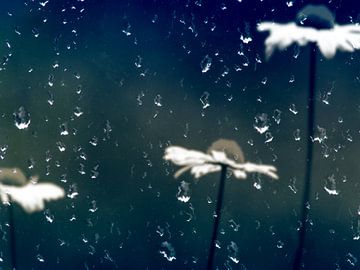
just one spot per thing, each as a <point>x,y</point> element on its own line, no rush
<point>268,137</point>
<point>264,80</point>
<point>77,111</point>
<point>292,79</point>
<point>277,116</point>
<point>279,244</point>
<point>292,109</point>
<point>157,100</point>
<point>297,135</point>
<point>40,258</point>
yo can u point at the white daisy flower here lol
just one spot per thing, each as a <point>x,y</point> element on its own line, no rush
<point>201,164</point>
<point>315,24</point>
<point>30,195</point>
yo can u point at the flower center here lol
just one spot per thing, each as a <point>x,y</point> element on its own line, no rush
<point>315,16</point>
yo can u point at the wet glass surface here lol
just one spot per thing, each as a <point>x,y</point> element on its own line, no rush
<point>93,92</point>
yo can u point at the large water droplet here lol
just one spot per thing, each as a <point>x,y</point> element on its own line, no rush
<point>22,118</point>
<point>183,193</point>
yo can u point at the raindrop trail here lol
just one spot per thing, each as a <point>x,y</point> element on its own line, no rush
<point>12,236</point>
<point>309,160</point>
<point>219,202</point>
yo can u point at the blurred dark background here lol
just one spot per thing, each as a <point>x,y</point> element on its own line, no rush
<point>126,79</point>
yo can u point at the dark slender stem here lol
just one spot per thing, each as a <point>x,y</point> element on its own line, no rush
<point>309,160</point>
<point>215,233</point>
<point>12,237</point>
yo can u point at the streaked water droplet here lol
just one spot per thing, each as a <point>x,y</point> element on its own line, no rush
<point>168,251</point>
<point>233,251</point>
<point>204,99</point>
<point>205,64</point>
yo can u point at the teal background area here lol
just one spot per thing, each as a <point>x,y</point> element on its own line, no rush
<point>134,70</point>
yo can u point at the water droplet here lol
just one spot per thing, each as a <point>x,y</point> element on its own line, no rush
<point>183,193</point>
<point>277,116</point>
<point>138,61</point>
<point>205,64</point>
<point>61,146</point>
<point>292,79</point>
<point>279,244</point>
<point>40,258</point>
<point>93,207</point>
<point>245,39</point>
<point>261,123</point>
<point>50,98</point>
<point>264,80</point>
<point>48,216</point>
<point>64,129</point>
<point>77,75</point>
<point>356,229</point>
<point>351,259</point>
<point>257,185</point>
<point>233,251</point>
<point>297,135</point>
<point>51,80</point>
<point>292,109</point>
<point>139,98</point>
<point>157,100</point>
<point>167,251</point>
<point>94,173</point>
<point>72,193</point>
<point>234,225</point>
<point>204,99</point>
<point>320,135</point>
<point>79,89</point>
<point>77,111</point>
<point>31,163</point>
<point>268,137</point>
<point>292,185</point>
<point>22,118</point>
<point>330,186</point>
<point>94,141</point>
<point>296,51</point>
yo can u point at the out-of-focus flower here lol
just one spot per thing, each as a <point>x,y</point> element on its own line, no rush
<point>30,195</point>
<point>12,176</point>
<point>201,164</point>
<point>322,30</point>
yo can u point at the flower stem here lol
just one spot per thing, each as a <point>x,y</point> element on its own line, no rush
<point>309,160</point>
<point>12,236</point>
<point>215,233</point>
